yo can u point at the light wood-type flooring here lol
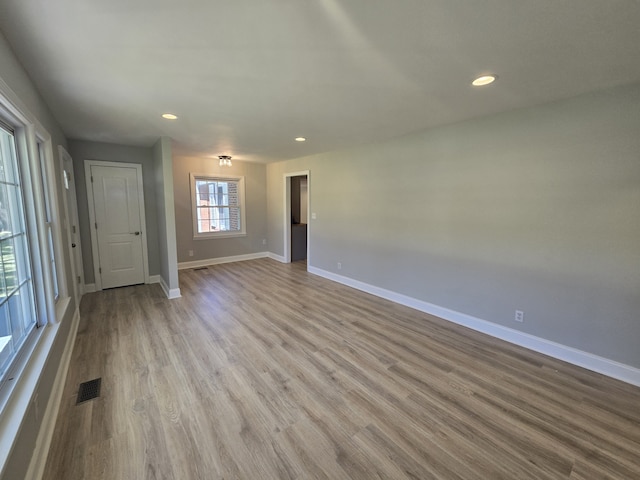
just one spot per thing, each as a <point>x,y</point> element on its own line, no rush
<point>263,371</point>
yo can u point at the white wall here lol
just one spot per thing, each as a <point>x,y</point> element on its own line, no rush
<point>536,209</point>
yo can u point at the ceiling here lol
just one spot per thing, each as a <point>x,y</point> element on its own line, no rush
<point>246,77</point>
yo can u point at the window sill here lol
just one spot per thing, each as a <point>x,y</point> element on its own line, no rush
<point>212,236</point>
<point>61,308</point>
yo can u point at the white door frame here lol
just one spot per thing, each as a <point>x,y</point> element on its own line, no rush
<point>287,215</point>
<point>92,216</point>
<point>71,220</point>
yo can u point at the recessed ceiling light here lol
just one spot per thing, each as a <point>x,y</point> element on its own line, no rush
<point>484,80</point>
<point>169,116</point>
<point>301,139</point>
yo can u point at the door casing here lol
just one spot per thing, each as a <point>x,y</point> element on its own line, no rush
<point>287,214</point>
<point>92,216</point>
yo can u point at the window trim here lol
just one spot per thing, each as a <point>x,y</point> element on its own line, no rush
<point>51,198</point>
<point>242,200</point>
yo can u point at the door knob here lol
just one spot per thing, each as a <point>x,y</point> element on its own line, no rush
<point>137,233</point>
<point>73,245</point>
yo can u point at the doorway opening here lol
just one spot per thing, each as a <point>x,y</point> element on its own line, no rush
<point>296,220</point>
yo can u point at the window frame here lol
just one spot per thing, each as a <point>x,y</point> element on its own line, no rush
<point>20,246</point>
<point>242,206</point>
<point>51,221</point>
<point>23,134</point>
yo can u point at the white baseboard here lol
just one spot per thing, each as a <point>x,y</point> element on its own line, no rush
<point>171,293</point>
<point>278,258</point>
<point>216,261</point>
<point>45,436</point>
<point>89,287</point>
<point>154,279</point>
<point>587,360</point>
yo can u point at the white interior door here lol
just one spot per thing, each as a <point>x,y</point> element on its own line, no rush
<point>118,224</point>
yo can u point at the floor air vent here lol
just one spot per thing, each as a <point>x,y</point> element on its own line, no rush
<point>89,390</point>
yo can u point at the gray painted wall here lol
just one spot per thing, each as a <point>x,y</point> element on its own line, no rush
<point>256,209</point>
<point>83,150</point>
<point>16,78</point>
<point>536,210</point>
<point>163,172</point>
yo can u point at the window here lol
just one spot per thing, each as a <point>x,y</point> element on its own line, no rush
<point>218,206</point>
<point>17,300</point>
<point>48,211</point>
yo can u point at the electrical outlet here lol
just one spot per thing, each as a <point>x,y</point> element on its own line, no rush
<point>264,241</point>
<point>519,316</point>
<point>339,265</point>
<point>191,253</point>
<point>313,216</point>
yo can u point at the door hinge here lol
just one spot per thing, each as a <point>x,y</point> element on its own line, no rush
<point>91,178</point>
<point>74,228</point>
<point>79,279</point>
<point>96,224</point>
<point>100,269</point>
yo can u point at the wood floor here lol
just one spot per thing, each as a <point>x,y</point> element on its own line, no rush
<point>263,371</point>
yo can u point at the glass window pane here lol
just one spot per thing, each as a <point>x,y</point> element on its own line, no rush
<point>234,218</point>
<point>3,288</point>
<point>204,226</point>
<point>52,259</point>
<point>5,217</point>
<point>21,317</point>
<point>7,253</point>
<point>22,258</point>
<point>27,306</point>
<point>233,194</point>
<point>14,209</point>
<point>6,344</point>
<point>8,157</point>
<point>5,326</point>
<point>16,317</point>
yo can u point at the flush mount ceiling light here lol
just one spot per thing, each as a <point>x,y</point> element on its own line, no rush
<point>225,160</point>
<point>301,139</point>
<point>169,116</point>
<point>484,80</point>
